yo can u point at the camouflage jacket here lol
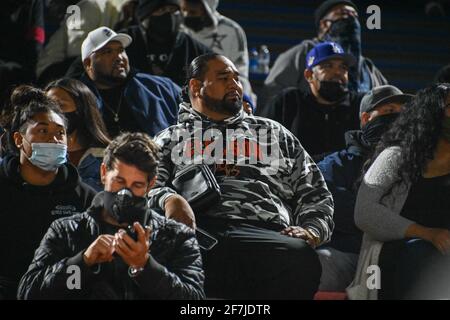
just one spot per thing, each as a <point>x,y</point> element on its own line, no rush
<point>263,171</point>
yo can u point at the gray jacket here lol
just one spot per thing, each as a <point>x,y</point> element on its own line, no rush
<point>378,217</point>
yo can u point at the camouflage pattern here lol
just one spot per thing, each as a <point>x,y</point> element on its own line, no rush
<point>287,190</point>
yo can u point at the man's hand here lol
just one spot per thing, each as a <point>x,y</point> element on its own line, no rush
<point>134,253</point>
<point>178,209</point>
<point>300,233</point>
<point>100,251</point>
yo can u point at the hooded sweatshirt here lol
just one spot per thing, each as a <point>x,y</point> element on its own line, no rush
<point>26,213</point>
<point>341,171</point>
<point>283,186</point>
<point>225,37</point>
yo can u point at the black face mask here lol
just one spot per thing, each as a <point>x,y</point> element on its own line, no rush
<point>125,207</point>
<point>374,129</point>
<point>195,23</point>
<point>333,91</point>
<point>73,121</point>
<point>164,27</point>
<point>347,32</point>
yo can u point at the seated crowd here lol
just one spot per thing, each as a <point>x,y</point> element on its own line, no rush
<point>136,168</point>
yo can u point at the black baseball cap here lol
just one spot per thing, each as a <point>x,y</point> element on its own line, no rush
<point>382,95</point>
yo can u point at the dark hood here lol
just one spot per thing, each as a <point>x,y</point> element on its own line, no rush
<point>66,179</point>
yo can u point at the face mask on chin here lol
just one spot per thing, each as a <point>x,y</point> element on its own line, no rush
<point>333,91</point>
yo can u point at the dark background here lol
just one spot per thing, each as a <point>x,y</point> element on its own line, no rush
<point>409,49</point>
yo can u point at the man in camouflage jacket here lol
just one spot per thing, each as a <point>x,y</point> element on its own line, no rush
<point>274,206</point>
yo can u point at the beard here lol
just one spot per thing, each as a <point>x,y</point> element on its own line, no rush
<point>224,106</point>
<point>113,78</point>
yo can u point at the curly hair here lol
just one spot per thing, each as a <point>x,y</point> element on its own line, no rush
<point>28,101</point>
<point>416,131</point>
<point>136,149</point>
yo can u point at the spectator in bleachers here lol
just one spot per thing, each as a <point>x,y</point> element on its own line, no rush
<point>320,115</point>
<point>87,137</point>
<point>222,35</point>
<point>64,45</point>
<point>273,209</point>
<point>37,185</point>
<point>342,170</point>
<point>128,101</point>
<point>22,25</point>
<point>122,248</point>
<point>159,47</point>
<point>337,21</point>
<point>403,205</point>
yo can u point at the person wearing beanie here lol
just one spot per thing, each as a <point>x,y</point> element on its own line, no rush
<point>379,108</point>
<point>159,47</point>
<point>337,21</point>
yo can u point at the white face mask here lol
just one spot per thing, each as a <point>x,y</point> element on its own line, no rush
<point>48,156</point>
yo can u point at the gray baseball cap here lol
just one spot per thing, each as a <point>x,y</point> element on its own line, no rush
<point>382,95</point>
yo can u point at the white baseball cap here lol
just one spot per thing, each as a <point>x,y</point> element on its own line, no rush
<point>99,37</point>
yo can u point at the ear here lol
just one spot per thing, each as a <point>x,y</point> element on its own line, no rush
<point>365,116</point>
<point>151,184</point>
<point>103,173</point>
<point>324,26</point>
<point>194,87</point>
<point>87,64</point>
<point>18,139</point>
<point>308,74</point>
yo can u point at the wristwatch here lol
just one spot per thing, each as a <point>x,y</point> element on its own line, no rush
<point>134,272</point>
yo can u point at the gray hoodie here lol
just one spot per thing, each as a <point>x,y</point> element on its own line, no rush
<point>225,37</point>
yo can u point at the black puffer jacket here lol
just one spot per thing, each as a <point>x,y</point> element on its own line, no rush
<point>174,270</point>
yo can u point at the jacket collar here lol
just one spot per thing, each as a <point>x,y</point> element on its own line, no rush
<point>188,114</point>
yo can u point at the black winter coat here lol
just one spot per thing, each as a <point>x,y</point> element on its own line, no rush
<point>174,270</point>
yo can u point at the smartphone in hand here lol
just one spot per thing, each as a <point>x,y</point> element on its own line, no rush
<point>205,240</point>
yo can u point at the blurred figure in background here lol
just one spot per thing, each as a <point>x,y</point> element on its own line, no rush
<point>87,137</point>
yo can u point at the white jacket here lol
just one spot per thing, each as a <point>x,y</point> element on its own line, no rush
<point>66,42</point>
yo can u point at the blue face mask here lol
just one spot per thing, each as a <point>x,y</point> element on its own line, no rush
<point>48,156</point>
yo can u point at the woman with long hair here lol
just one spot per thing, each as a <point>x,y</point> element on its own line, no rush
<point>87,135</point>
<point>403,205</point>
